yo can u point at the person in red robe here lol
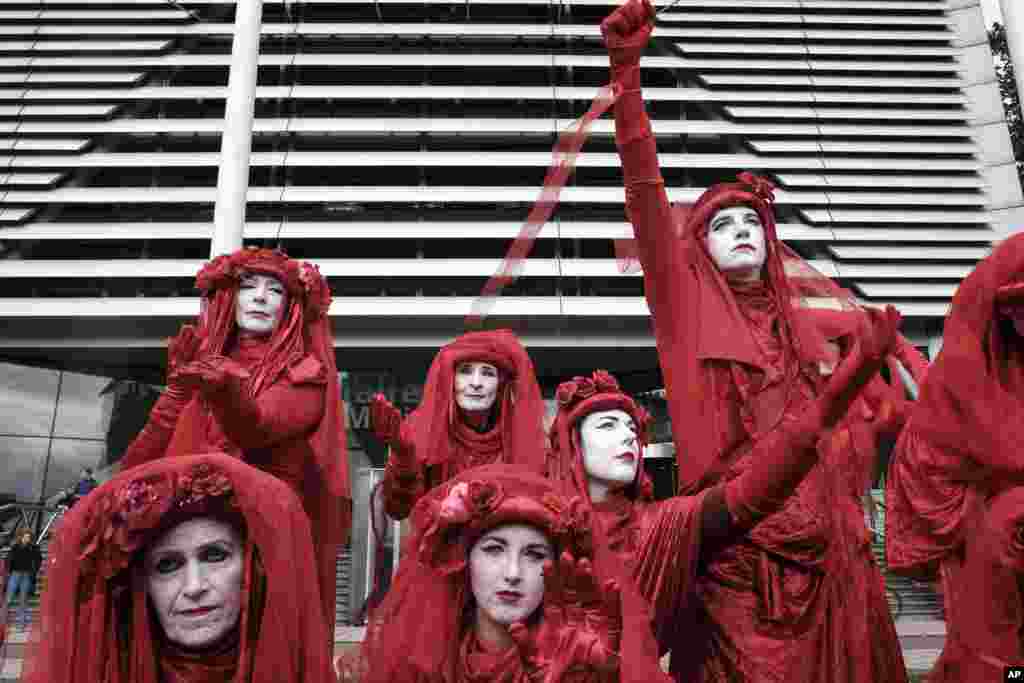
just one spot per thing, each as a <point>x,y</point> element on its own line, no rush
<point>954,494</point>
<point>668,547</point>
<point>503,585</point>
<point>257,379</point>
<point>740,346</point>
<point>481,403</point>
<point>195,569</point>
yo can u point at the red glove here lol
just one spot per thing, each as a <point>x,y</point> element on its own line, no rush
<point>582,624</point>
<point>183,348</point>
<point>626,33</point>
<point>210,374</point>
<point>875,339</point>
<point>385,420</point>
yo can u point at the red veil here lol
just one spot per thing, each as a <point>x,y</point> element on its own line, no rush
<point>962,443</point>
<point>95,625</point>
<point>418,633</point>
<point>440,438</point>
<point>300,347</point>
<point>974,396</point>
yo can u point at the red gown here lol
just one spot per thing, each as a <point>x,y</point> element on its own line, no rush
<point>286,417</point>
<point>95,623</point>
<point>437,442</point>
<point>736,360</point>
<point>954,495</point>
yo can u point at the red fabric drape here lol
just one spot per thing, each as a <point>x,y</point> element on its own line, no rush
<point>954,486</point>
<point>94,621</point>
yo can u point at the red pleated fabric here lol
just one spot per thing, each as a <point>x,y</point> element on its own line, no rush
<point>427,614</point>
<point>287,418</point>
<point>95,624</point>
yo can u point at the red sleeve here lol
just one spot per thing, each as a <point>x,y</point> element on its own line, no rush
<point>647,203</point>
<point>152,441</point>
<point>668,553</point>
<point>781,460</point>
<point>403,477</point>
<point>281,413</point>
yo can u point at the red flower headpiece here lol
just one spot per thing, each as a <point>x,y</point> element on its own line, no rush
<point>469,509</point>
<point>576,398</point>
<point>749,190</point>
<point>126,518</point>
<point>302,280</point>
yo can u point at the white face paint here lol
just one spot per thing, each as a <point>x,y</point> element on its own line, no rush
<point>259,304</point>
<point>506,574</point>
<point>194,581</point>
<point>736,242</point>
<point>611,451</point>
<point>476,386</point>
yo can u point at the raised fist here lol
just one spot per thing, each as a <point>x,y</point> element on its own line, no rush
<point>627,31</point>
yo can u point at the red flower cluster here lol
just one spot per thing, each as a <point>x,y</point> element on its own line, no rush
<point>572,525</point>
<point>302,280</point>
<point>580,388</point>
<point>123,520</point>
<point>759,186</point>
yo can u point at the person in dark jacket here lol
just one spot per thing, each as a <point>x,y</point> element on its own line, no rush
<point>24,561</point>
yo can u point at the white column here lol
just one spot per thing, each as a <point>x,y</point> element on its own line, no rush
<point>1013,20</point>
<point>236,141</point>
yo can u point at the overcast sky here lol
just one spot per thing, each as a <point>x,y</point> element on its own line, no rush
<point>991,10</point>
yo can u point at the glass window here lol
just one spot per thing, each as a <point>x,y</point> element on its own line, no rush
<point>22,473</point>
<point>27,401</point>
<point>82,411</point>
<point>67,459</point>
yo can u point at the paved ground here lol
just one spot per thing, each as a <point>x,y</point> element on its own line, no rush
<point>921,639</point>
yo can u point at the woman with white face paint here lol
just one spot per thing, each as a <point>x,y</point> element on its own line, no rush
<point>503,586</point>
<point>667,546</point>
<point>481,403</point>
<point>740,345</point>
<point>197,569</point>
<point>257,378</point>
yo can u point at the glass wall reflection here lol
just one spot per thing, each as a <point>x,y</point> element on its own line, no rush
<point>52,424</point>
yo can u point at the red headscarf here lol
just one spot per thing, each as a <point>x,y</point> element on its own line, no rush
<point>304,331</point>
<point>427,614</point>
<point>576,399</point>
<point>95,623</point>
<point>976,384</point>
<point>442,440</point>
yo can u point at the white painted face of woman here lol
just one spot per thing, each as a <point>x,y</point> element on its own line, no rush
<point>506,575</point>
<point>476,386</point>
<point>194,581</point>
<point>611,451</point>
<point>260,304</point>
<point>736,242</point>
